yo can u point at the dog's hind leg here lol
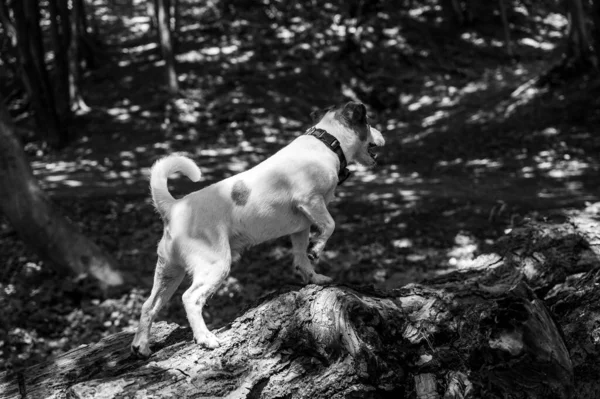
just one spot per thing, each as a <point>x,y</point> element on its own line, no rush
<point>316,212</point>
<point>302,265</point>
<point>209,272</point>
<point>167,278</point>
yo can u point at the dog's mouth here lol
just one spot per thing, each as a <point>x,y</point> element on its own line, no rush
<point>371,151</point>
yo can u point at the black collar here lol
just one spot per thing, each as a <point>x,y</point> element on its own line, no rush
<point>334,145</point>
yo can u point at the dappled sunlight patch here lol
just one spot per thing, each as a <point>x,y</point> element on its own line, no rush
<point>402,243</point>
<point>557,165</point>
<point>546,46</point>
<point>464,250</point>
<point>482,165</point>
<point>230,287</point>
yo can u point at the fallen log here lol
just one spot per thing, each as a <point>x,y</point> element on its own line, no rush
<point>484,331</point>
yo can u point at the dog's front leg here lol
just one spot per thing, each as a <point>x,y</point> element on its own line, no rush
<point>302,264</point>
<point>316,211</point>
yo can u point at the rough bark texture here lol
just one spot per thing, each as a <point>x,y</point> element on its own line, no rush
<point>481,332</point>
<point>37,222</point>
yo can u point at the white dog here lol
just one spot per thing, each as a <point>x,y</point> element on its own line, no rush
<point>284,195</point>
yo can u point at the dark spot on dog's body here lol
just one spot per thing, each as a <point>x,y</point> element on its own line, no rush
<point>240,193</point>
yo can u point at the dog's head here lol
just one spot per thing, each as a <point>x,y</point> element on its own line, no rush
<point>349,124</point>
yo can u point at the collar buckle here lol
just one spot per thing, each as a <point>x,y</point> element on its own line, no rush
<point>334,145</point>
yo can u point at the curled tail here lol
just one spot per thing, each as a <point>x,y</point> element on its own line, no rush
<point>163,200</point>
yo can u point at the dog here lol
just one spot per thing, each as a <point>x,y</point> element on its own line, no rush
<point>285,194</point>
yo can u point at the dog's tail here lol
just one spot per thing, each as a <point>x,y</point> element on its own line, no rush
<point>163,200</point>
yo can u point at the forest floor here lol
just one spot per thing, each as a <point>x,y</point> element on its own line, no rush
<point>466,156</point>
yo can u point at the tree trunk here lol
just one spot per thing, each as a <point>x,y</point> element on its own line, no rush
<point>61,63</point>
<point>453,12</point>
<point>166,46</point>
<point>579,46</point>
<point>57,130</point>
<point>151,10</point>
<point>174,18</point>
<point>596,24</point>
<point>7,24</point>
<point>480,332</point>
<point>31,74</point>
<point>506,28</point>
<point>77,102</point>
<point>40,226</point>
<point>87,48</point>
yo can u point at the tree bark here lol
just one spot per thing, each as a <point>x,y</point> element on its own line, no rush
<point>596,23</point>
<point>453,12</point>
<point>579,45</point>
<point>166,45</point>
<point>151,10</point>
<point>77,102</point>
<point>175,20</point>
<point>37,222</point>
<point>480,332</point>
<point>506,29</point>
<point>34,73</point>
<point>7,24</point>
<point>57,129</point>
<point>61,63</point>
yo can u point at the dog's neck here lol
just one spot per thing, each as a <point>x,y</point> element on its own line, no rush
<point>340,132</point>
<point>334,145</point>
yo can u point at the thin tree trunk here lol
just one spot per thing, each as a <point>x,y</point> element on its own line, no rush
<point>596,22</point>
<point>56,131</point>
<point>166,46</point>
<point>40,226</point>
<point>453,12</point>
<point>77,102</point>
<point>61,63</point>
<point>7,24</point>
<point>153,21</point>
<point>65,20</point>
<point>175,21</point>
<point>86,45</point>
<point>506,28</point>
<point>579,43</point>
<point>44,116</point>
<point>83,24</point>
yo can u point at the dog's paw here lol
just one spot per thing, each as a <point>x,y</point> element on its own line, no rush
<point>141,351</point>
<point>208,340</point>
<point>313,256</point>
<point>320,279</point>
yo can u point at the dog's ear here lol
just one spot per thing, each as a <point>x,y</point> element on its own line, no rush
<point>356,113</point>
<point>317,115</point>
